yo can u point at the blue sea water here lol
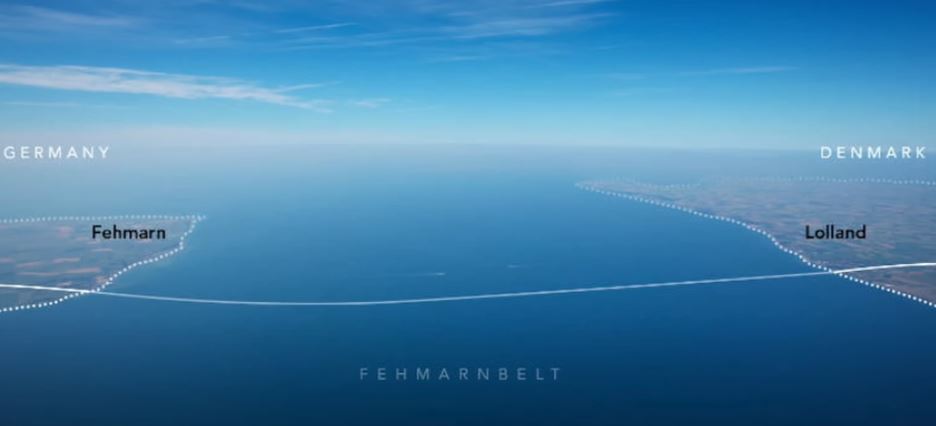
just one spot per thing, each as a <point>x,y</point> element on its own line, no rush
<point>359,223</point>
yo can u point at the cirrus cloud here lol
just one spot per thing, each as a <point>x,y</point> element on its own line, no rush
<point>120,80</point>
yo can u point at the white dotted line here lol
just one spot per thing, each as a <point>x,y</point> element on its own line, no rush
<point>776,243</point>
<point>846,180</point>
<point>92,218</point>
<point>110,280</point>
<point>676,186</point>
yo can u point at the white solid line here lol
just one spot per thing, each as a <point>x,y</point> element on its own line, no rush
<point>195,219</point>
<point>476,296</point>
<point>586,186</point>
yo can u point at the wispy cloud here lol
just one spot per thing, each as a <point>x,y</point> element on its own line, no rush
<point>307,86</point>
<point>566,3</point>
<point>461,22</point>
<point>118,80</point>
<point>318,25</point>
<point>34,18</point>
<point>741,70</point>
<point>525,26</point>
<point>292,33</point>
<point>369,103</point>
<point>314,28</point>
<point>362,40</point>
<point>41,104</point>
<point>628,76</point>
<point>331,24</point>
<point>457,32</point>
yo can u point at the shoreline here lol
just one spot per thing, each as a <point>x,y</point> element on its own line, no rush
<point>193,222</point>
<point>586,186</point>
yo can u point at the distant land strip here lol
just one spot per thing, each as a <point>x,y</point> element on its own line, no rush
<point>840,272</point>
<point>194,220</point>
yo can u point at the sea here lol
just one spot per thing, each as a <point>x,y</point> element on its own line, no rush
<point>346,223</point>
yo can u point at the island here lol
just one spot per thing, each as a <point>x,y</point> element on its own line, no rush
<point>80,253</point>
<point>831,224</point>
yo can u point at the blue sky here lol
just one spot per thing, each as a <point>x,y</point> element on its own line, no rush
<point>590,72</point>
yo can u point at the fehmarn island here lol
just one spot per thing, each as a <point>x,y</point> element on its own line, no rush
<point>81,253</point>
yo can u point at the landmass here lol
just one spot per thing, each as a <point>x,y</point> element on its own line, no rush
<point>74,253</point>
<point>832,223</point>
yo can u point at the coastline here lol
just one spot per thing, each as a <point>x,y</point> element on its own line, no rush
<point>588,187</point>
<point>193,222</point>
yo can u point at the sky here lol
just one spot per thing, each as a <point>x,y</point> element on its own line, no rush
<point>720,74</point>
